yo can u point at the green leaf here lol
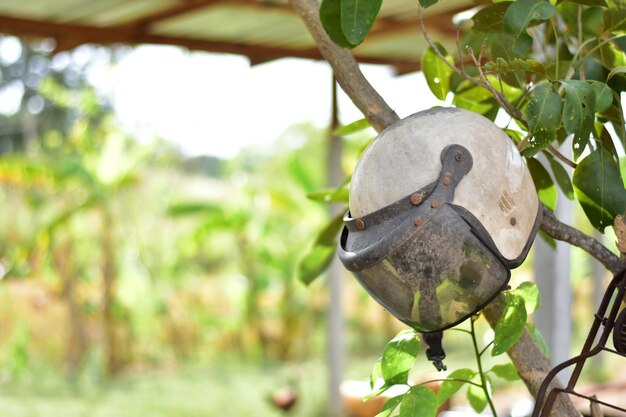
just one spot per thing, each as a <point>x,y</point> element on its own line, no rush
<point>548,239</point>
<point>506,371</point>
<point>319,257</point>
<point>427,3</point>
<point>357,18</point>
<point>328,235</point>
<point>599,188</point>
<point>543,183</point>
<point>399,357</point>
<point>534,332</point>
<point>603,136</point>
<point>390,405</point>
<point>529,292</point>
<point>502,66</point>
<point>436,71</point>
<point>543,114</point>
<point>419,402</point>
<point>188,208</point>
<point>489,19</point>
<point>604,95</point>
<point>330,16</point>
<point>511,324</point>
<point>562,178</point>
<point>615,16</point>
<point>578,113</point>
<point>520,15</point>
<point>501,47</point>
<point>477,397</point>
<point>377,373</point>
<point>448,387</point>
<point>314,263</point>
<point>610,56</point>
<point>354,127</point>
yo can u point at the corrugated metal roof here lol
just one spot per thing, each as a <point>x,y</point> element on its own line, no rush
<point>263,30</point>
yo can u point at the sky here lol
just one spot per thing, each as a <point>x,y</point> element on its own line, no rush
<point>215,104</point>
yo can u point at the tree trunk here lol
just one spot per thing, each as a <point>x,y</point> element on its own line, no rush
<point>112,351</point>
<point>62,258</point>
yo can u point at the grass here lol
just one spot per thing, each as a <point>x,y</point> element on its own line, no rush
<point>238,390</point>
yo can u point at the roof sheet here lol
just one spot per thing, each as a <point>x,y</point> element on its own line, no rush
<point>263,30</point>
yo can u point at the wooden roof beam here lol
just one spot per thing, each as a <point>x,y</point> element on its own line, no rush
<point>145,22</point>
<point>74,35</point>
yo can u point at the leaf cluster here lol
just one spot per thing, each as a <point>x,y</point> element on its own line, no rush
<point>557,68</point>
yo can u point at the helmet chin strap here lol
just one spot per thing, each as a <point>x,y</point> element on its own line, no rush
<point>435,351</point>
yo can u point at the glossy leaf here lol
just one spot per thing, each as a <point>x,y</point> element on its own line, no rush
<point>448,387</point>
<point>604,138</point>
<point>357,18</point>
<point>604,95</point>
<point>599,188</point>
<point>578,113</point>
<point>506,371</point>
<point>520,15</point>
<point>489,19</point>
<point>476,397</point>
<point>399,357</point>
<point>543,114</point>
<point>562,178</point>
<point>419,402</point>
<point>543,183</point>
<point>530,294</point>
<point>330,16</point>
<point>511,324</point>
<point>436,72</point>
<point>390,405</point>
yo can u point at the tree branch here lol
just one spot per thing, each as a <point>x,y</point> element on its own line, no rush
<point>346,69</point>
<point>561,231</point>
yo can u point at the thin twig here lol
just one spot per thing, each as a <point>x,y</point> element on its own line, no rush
<point>483,82</point>
<point>502,101</point>
<point>560,156</point>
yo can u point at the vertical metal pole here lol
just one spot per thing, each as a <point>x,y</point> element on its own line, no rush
<point>552,275</point>
<point>335,329</point>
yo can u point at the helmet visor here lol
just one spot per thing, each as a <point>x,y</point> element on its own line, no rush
<point>439,275</point>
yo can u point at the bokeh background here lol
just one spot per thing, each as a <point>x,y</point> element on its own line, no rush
<point>149,254</point>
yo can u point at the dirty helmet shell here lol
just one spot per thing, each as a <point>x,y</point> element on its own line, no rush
<point>442,206</point>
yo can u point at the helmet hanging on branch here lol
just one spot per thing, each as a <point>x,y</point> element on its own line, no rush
<point>442,206</point>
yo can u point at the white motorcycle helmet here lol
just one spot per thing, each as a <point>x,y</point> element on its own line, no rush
<point>442,206</point>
